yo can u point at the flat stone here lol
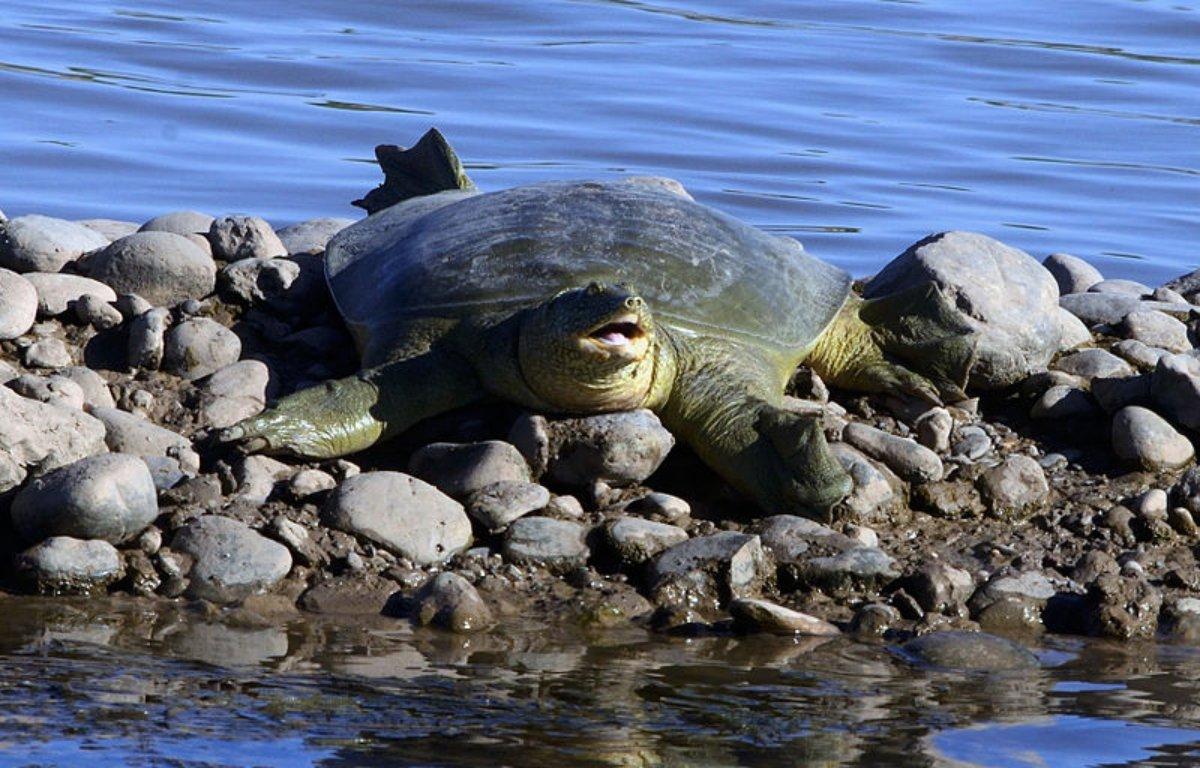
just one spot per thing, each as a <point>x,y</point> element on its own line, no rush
<point>37,243</point>
<point>192,225</point>
<point>902,455</point>
<point>55,389</point>
<point>619,449</point>
<point>1116,393</point>
<point>1156,329</point>
<point>557,545</point>
<point>18,305</point>
<point>1016,484</point>
<point>109,229</point>
<point>42,437</point>
<point>244,237</point>
<point>127,433</point>
<point>1029,586</point>
<point>231,560</point>
<point>497,505</point>
<point>874,486</point>
<point>660,506</point>
<point>707,571</point>
<point>295,537</point>
<point>65,566</point>
<point>790,537</point>
<point>1175,389</point>
<point>1073,274</point>
<point>1073,331</point>
<point>855,568</point>
<point>162,267</point>
<point>460,469</point>
<point>48,353</point>
<point>1091,363</point>
<point>764,616</point>
<point>311,236</point>
<point>110,496</point>
<point>451,602</point>
<point>1008,298</point>
<point>1063,402</point>
<point>198,347</point>
<point>309,482</point>
<point>56,291</point>
<point>403,514</point>
<point>972,443</point>
<point>974,651</point>
<point>940,588</point>
<point>1143,438</point>
<point>235,392</point>
<point>1118,285</point>
<point>1097,308</point>
<point>95,311</point>
<point>632,541</point>
<point>1138,353</point>
<point>257,476</point>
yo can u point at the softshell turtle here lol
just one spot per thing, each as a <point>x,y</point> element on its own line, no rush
<point>585,297</point>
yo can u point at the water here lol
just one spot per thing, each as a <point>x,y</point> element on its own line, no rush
<point>857,127</point>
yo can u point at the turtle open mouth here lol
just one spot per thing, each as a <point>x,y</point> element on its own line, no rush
<point>618,333</point>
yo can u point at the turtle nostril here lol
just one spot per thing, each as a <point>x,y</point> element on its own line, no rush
<point>634,302</point>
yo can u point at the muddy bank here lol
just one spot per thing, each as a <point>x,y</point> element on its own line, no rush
<point>1062,500</point>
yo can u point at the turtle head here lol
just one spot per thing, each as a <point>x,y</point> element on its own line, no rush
<point>590,349</point>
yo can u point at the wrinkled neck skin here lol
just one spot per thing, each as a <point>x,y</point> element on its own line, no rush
<point>567,381</point>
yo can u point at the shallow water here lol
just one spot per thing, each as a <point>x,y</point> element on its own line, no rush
<point>857,127</point>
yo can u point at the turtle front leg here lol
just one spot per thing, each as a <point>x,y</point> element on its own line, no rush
<point>727,406</point>
<point>347,415</point>
<point>913,343</point>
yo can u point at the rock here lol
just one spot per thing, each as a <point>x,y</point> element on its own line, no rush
<point>1157,330</point>
<point>1097,308</point>
<point>192,225</point>
<point>619,449</point>
<point>969,651</point>
<point>874,486</point>
<point>408,517</point>
<point>933,429</point>
<point>662,507</point>
<point>257,476</point>
<point>1062,402</point>
<point>127,433</point>
<point>557,545</point>
<point>57,291</point>
<point>1072,330</point>
<point>904,456</point>
<point>42,437</point>
<point>564,508</point>
<point>496,505</point>
<point>232,560</point>
<point>940,588</point>
<point>146,344</point>
<point>311,236</point>
<point>47,353</point>
<point>55,389</point>
<point>459,469</point>
<point>1181,620</point>
<point>1126,287</point>
<point>1093,363</point>
<point>95,311</point>
<point>874,620</point>
<point>1009,298</point>
<point>198,347</point>
<point>292,288</point>
<point>632,541</point>
<point>1175,389</point>
<point>1030,587</point>
<point>973,443</point>
<point>812,555</point>
<point>36,243</point>
<point>709,570</point>
<point>762,616</point>
<point>1013,486</point>
<point>449,601</point>
<point>65,566</point>
<point>949,499</point>
<point>855,568</point>
<point>1123,607</point>
<point>162,267</point>
<point>1163,293</point>
<point>1138,353</point>
<point>1182,521</point>
<point>295,537</point>
<point>1116,393</point>
<point>244,237</point>
<point>1092,564</point>
<point>109,229</point>
<point>1143,438</point>
<point>110,496</point>
<point>789,537</point>
<point>235,392</point>
<point>309,482</point>
<point>18,305</point>
<point>1073,274</point>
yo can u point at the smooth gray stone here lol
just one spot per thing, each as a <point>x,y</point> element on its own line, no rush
<point>1073,274</point>
<point>37,243</point>
<point>972,443</point>
<point>451,602</point>
<point>198,347</point>
<point>1063,402</point>
<point>1091,363</point>
<point>1116,393</point>
<point>180,223</point>
<point>1118,285</point>
<point>109,229</point>
<point>311,236</point>
<point>710,569</point>
<point>1138,353</point>
<point>764,616</point>
<point>235,392</point>
<point>904,456</point>
<point>244,237</point>
<point>1029,586</point>
<point>1156,329</point>
<point>110,496</point>
<point>1008,298</point>
<point>56,291</point>
<point>619,449</point>
<point>66,566</point>
<point>634,540</point>
<point>497,505</point>
<point>1097,308</point>
<point>55,389</point>
<point>859,566</point>
<point>1073,330</point>
<point>874,486</point>
<point>974,651</point>
<point>95,389</point>
<point>257,476</point>
<point>1017,483</point>
<point>557,545</point>
<point>1175,389</point>
<point>127,433</point>
<point>934,428</point>
<point>790,537</point>
<point>940,588</point>
<point>146,343</point>
<point>47,353</point>
<point>18,305</point>
<point>162,267</point>
<point>1143,438</point>
<point>96,311</point>
<point>41,436</point>
<point>231,560</point>
<point>405,515</point>
<point>459,469</point>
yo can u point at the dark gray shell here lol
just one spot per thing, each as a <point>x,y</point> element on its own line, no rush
<point>456,254</point>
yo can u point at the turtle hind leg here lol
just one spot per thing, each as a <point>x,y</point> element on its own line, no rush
<point>428,167</point>
<point>817,479</point>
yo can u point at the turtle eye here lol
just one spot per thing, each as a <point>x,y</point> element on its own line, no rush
<point>595,289</point>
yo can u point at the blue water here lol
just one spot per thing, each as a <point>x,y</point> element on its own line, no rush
<point>857,126</point>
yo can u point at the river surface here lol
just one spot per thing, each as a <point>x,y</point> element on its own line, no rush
<point>857,127</point>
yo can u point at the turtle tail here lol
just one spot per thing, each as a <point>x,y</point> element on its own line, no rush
<point>428,167</point>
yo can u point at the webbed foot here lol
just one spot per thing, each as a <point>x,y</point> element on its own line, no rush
<point>811,479</point>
